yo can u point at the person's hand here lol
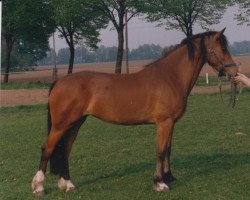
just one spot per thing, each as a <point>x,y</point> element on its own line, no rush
<point>243,79</point>
<point>240,78</point>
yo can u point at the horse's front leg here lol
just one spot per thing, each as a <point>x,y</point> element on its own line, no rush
<point>163,146</point>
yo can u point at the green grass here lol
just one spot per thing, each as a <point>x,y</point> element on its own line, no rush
<point>118,162</point>
<point>213,81</point>
<point>25,85</point>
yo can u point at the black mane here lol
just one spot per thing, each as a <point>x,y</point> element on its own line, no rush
<point>189,41</point>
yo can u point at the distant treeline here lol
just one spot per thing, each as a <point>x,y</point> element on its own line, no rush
<point>103,54</point>
<point>143,52</point>
<point>240,48</point>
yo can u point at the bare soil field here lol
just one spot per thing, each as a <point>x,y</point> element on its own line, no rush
<point>44,74</point>
<point>23,97</point>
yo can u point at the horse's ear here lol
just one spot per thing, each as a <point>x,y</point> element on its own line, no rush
<point>223,30</point>
<point>218,34</point>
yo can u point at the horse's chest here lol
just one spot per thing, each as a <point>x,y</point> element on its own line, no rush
<point>173,107</point>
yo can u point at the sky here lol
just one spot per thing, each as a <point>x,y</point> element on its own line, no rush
<point>142,32</point>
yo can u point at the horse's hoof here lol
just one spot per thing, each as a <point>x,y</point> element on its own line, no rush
<point>161,187</point>
<point>39,193</point>
<point>66,185</point>
<point>71,189</point>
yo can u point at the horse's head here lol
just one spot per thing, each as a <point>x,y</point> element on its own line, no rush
<point>218,55</point>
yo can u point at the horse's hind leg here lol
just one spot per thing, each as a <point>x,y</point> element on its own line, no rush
<point>47,149</point>
<point>64,182</point>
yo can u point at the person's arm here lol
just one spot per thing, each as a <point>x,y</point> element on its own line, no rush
<point>242,78</point>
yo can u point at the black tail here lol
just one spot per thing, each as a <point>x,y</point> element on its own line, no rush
<point>57,158</point>
<point>58,153</point>
<point>49,116</point>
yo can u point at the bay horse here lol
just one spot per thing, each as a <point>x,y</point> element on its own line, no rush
<point>155,95</point>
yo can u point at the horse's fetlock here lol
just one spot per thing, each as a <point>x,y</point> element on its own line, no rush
<point>157,179</point>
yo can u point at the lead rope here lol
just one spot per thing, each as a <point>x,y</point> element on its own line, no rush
<point>233,85</point>
<point>233,93</point>
<point>233,97</point>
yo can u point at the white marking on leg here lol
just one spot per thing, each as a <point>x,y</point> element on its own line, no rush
<point>70,186</point>
<point>66,185</point>
<point>160,187</point>
<point>37,182</point>
<point>62,185</point>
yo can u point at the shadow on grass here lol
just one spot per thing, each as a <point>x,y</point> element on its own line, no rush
<point>195,165</point>
<point>136,168</point>
<point>204,165</point>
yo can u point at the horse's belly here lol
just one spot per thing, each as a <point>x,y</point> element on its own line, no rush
<point>121,112</point>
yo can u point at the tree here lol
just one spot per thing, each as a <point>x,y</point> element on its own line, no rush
<point>243,17</point>
<point>183,14</point>
<point>63,56</point>
<point>46,60</point>
<point>115,11</point>
<point>24,22</point>
<point>24,55</point>
<point>239,48</point>
<point>78,20</point>
<point>146,51</point>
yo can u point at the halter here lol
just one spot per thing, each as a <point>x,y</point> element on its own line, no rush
<point>223,65</point>
<point>233,97</point>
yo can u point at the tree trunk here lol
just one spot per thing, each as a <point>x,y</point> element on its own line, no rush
<point>189,30</point>
<point>9,45</point>
<point>71,58</point>
<point>119,57</point>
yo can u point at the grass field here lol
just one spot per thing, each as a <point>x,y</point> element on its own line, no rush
<point>210,155</point>
<point>24,85</point>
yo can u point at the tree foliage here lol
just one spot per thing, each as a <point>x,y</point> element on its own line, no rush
<point>238,48</point>
<point>28,24</point>
<point>146,52</point>
<point>24,55</point>
<point>78,22</point>
<point>184,14</point>
<point>243,15</point>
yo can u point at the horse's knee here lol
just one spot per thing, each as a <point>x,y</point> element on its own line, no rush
<point>46,152</point>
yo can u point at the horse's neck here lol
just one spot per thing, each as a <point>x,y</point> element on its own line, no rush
<point>182,70</point>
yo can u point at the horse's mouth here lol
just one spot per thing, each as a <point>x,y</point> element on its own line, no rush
<point>231,77</point>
